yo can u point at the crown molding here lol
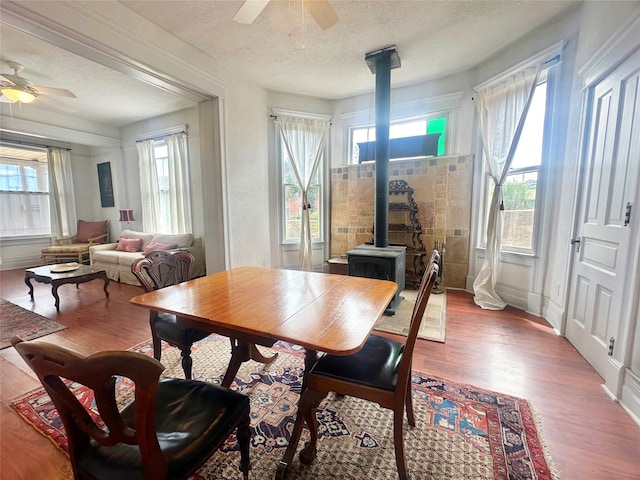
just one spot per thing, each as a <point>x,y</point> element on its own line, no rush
<point>104,31</point>
<point>613,52</point>
<point>51,132</point>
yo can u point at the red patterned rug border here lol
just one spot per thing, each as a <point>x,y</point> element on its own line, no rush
<point>532,432</point>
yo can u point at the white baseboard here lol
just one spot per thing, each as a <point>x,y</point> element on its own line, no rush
<point>555,315</point>
<point>20,262</point>
<point>630,399</point>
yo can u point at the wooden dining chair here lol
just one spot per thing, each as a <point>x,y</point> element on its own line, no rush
<point>170,429</point>
<point>380,372</point>
<point>161,269</point>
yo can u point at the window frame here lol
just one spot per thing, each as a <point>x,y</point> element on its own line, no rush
<point>282,195</point>
<point>548,76</point>
<point>323,179</point>
<point>43,181</point>
<point>324,189</point>
<point>445,113</point>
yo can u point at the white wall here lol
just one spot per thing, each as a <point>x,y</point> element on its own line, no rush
<point>247,176</point>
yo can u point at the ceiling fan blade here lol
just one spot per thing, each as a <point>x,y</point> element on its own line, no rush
<point>55,103</point>
<point>59,92</point>
<point>249,10</point>
<point>322,12</point>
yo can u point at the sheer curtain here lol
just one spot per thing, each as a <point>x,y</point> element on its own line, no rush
<point>304,140</point>
<point>164,186</point>
<point>62,203</point>
<point>502,110</point>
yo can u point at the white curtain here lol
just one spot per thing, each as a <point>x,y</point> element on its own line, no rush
<point>166,195</point>
<point>304,140</point>
<point>502,110</point>
<point>62,203</point>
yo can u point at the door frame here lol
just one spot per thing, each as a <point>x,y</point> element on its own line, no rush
<point>611,55</point>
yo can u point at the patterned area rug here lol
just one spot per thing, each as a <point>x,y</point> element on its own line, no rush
<point>462,432</point>
<point>15,320</point>
<point>433,324</point>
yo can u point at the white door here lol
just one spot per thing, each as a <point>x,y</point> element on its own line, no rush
<point>610,173</point>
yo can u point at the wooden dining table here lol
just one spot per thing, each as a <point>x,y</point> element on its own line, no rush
<point>259,306</point>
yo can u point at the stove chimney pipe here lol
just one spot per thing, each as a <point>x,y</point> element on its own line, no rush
<point>381,62</point>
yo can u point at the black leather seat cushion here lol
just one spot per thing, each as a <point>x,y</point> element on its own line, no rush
<point>169,330</point>
<point>191,417</point>
<point>376,364</point>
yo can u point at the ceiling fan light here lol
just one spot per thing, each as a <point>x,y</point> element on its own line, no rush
<point>18,94</point>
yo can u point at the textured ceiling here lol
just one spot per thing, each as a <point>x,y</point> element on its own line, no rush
<point>433,38</point>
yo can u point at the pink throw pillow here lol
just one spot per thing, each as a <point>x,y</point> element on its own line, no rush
<point>129,244</point>
<point>153,246</point>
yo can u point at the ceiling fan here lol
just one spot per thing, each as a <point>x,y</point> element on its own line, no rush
<point>321,11</point>
<point>15,88</point>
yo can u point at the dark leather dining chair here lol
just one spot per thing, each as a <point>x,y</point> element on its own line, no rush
<point>380,372</point>
<point>168,431</point>
<point>161,269</point>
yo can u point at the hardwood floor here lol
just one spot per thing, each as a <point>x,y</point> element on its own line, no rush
<point>589,436</point>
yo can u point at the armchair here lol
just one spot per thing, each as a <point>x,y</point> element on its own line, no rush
<point>76,247</point>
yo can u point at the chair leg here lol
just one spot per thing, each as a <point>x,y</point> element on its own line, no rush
<point>187,362</point>
<point>157,345</point>
<point>244,437</point>
<point>408,400</point>
<point>398,440</point>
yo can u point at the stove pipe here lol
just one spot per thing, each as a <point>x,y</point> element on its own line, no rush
<point>381,62</point>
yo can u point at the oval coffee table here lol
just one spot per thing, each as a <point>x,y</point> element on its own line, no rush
<point>84,273</point>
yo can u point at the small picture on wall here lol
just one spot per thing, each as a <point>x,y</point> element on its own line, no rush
<point>106,185</point>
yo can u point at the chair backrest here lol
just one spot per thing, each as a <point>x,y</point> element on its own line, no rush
<point>53,365</point>
<point>163,268</point>
<point>426,285</point>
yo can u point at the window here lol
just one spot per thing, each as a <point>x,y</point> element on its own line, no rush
<point>164,184</point>
<point>520,188</point>
<point>292,196</point>
<point>24,192</point>
<point>401,129</point>
<point>161,158</point>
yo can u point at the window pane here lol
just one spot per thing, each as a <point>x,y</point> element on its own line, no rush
<point>24,198</point>
<point>314,214</point>
<point>519,197</point>
<point>10,178</point>
<point>438,125</point>
<point>408,129</point>
<point>288,176</point>
<point>292,212</point>
<point>401,129</point>
<point>529,149</point>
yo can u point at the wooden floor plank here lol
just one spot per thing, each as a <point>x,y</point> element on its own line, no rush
<point>589,436</point>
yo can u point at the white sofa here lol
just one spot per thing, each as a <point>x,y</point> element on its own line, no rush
<point>117,264</point>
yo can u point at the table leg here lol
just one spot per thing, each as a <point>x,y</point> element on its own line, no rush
<point>106,284</point>
<point>242,351</point>
<point>310,358</point>
<point>54,291</point>
<point>27,280</point>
